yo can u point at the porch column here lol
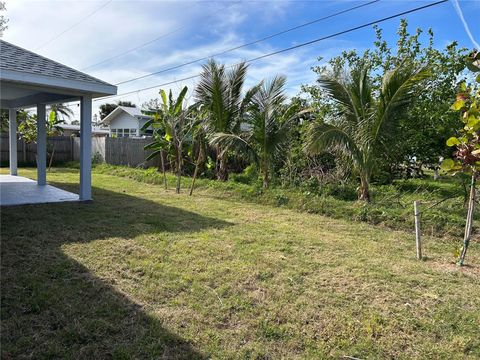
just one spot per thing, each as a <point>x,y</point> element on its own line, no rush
<point>12,127</point>
<point>41,145</point>
<point>86,148</point>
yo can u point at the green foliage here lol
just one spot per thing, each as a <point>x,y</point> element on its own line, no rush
<point>106,109</point>
<point>392,206</point>
<point>173,124</point>
<point>467,143</point>
<point>365,123</point>
<point>220,94</point>
<point>267,123</point>
<point>427,121</point>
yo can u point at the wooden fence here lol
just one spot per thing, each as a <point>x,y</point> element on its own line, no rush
<point>26,153</point>
<point>115,151</point>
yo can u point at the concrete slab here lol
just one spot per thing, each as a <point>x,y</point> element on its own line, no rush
<point>18,190</point>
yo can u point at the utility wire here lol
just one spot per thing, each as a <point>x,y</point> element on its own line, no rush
<point>249,43</point>
<point>153,40</point>
<point>292,47</point>
<point>76,24</point>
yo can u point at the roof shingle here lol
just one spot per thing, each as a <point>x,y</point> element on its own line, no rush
<point>15,58</point>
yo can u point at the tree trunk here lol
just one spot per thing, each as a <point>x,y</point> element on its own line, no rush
<point>200,159</point>
<point>221,168</point>
<point>179,167</point>
<point>469,222</point>
<point>51,158</point>
<point>266,179</point>
<point>162,164</point>
<point>364,191</point>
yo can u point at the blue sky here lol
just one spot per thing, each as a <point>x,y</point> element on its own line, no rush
<point>195,29</point>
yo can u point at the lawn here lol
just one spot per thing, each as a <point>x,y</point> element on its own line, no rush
<point>144,273</point>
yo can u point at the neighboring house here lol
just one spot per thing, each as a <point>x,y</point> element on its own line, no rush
<point>126,122</point>
<point>74,130</point>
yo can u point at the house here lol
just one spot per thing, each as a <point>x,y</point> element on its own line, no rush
<point>74,130</point>
<point>31,80</point>
<point>126,122</point>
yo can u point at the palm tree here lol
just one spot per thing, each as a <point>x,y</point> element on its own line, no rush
<point>220,92</point>
<point>172,125</point>
<point>61,111</point>
<point>268,122</point>
<point>367,120</point>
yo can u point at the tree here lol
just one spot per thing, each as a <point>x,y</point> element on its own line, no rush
<point>365,123</point>
<point>27,128</point>
<point>467,144</point>
<point>220,93</point>
<point>268,121</point>
<point>3,19</point>
<point>173,124</point>
<point>200,143</point>
<point>55,119</point>
<point>61,111</point>
<point>107,108</point>
<point>428,120</point>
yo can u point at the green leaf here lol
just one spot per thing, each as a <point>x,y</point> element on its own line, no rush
<point>447,164</point>
<point>472,121</point>
<point>457,105</point>
<point>478,78</point>
<point>453,141</point>
<point>168,137</point>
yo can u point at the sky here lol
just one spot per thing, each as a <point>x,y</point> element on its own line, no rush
<point>83,34</point>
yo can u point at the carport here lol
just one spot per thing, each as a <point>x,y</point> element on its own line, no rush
<point>29,80</point>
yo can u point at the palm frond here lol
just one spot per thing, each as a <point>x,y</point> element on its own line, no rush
<point>396,94</point>
<point>323,137</point>
<point>233,142</point>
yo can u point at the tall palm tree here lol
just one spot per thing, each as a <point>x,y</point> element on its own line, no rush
<point>368,119</point>
<point>220,93</point>
<point>61,111</point>
<point>268,121</point>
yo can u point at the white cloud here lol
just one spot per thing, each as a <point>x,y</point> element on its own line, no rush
<point>205,28</point>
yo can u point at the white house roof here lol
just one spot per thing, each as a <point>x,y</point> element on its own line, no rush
<point>132,111</point>
<point>95,130</point>
<point>26,74</point>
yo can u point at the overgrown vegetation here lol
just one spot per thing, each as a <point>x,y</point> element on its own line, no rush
<point>444,199</point>
<point>374,119</point>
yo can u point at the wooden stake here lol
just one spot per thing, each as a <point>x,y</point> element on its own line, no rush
<point>469,222</point>
<point>416,209</point>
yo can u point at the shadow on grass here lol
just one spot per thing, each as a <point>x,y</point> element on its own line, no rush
<point>53,307</point>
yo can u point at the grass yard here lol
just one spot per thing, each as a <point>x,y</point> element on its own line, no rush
<point>145,273</point>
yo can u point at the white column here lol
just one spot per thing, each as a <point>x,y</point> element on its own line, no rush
<point>86,148</point>
<point>12,118</point>
<point>41,145</point>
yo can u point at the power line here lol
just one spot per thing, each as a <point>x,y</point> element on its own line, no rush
<point>292,47</point>
<point>153,40</point>
<point>249,43</point>
<point>76,24</point>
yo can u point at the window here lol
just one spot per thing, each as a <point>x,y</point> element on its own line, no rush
<point>133,132</point>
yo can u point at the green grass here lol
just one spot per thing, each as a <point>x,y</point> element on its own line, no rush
<point>443,211</point>
<point>144,273</point>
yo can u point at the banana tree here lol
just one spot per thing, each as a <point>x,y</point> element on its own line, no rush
<point>53,126</point>
<point>172,125</point>
<point>367,119</point>
<point>199,137</point>
<point>28,128</point>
